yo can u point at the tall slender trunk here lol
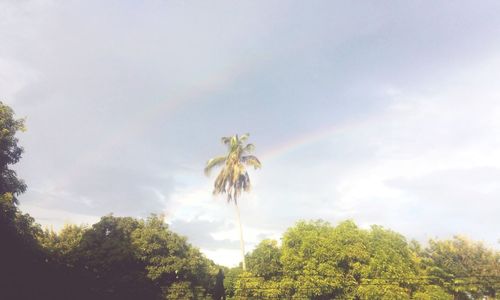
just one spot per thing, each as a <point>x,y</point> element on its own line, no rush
<point>242,244</point>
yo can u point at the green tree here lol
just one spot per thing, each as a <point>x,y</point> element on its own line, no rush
<point>126,258</point>
<point>63,244</point>
<point>233,177</point>
<point>264,261</point>
<point>390,271</point>
<point>21,258</point>
<point>426,287</point>
<point>464,268</point>
<point>13,224</point>
<point>107,257</point>
<point>179,269</point>
<point>431,292</point>
<point>230,280</point>
<point>263,279</point>
<point>11,153</point>
<point>321,261</point>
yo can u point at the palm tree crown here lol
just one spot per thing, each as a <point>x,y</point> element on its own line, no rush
<point>233,177</point>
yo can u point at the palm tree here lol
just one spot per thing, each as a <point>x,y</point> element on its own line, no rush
<point>233,177</point>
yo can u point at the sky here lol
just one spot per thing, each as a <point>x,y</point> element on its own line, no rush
<point>383,112</point>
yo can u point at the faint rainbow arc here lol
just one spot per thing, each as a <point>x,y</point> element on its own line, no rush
<point>146,117</point>
<point>299,141</point>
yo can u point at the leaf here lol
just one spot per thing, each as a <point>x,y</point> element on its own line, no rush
<point>214,162</point>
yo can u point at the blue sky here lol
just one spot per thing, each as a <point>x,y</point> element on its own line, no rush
<point>385,113</point>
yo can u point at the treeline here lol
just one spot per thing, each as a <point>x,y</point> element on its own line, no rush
<point>127,258</point>
<point>319,261</point>
<point>116,258</point>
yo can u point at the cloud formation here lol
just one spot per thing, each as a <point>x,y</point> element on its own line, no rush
<point>385,113</point>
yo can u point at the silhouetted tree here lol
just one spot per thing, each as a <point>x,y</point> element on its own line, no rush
<point>219,291</point>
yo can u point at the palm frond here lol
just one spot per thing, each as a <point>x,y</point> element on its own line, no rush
<point>214,162</point>
<point>234,142</point>
<point>244,137</point>
<point>220,182</point>
<point>248,148</point>
<point>251,160</point>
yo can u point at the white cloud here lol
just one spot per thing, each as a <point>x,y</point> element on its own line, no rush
<point>56,219</point>
<point>224,257</point>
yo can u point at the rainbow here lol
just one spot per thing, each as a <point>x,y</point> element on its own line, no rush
<point>145,117</point>
<point>305,139</point>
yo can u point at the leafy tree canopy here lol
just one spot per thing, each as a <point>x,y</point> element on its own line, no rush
<point>319,261</point>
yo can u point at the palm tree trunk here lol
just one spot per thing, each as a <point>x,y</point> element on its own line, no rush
<point>242,244</point>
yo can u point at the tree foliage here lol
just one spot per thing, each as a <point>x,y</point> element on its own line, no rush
<point>21,257</point>
<point>264,261</point>
<point>464,268</point>
<point>11,153</point>
<point>319,261</point>
<point>126,258</point>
